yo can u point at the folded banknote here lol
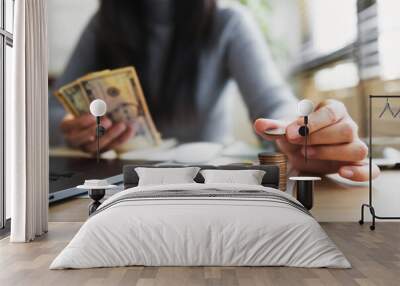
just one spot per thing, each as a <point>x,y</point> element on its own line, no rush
<point>122,92</point>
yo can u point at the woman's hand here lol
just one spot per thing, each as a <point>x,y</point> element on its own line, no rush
<point>80,132</point>
<point>333,143</point>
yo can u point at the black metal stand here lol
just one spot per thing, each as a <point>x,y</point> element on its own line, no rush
<point>370,204</point>
<point>100,130</point>
<point>98,139</point>
<point>304,131</point>
<point>96,195</point>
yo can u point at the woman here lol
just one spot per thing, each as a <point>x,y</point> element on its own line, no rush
<point>185,52</point>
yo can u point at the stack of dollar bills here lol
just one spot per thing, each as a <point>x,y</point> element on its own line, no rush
<point>121,90</point>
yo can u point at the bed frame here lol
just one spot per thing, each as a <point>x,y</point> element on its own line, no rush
<point>270,179</point>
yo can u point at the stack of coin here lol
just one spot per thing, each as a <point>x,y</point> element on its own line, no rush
<point>279,159</point>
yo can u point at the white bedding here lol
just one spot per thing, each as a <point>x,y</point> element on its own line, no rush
<point>183,231</point>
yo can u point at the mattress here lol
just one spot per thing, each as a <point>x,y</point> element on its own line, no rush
<point>201,225</point>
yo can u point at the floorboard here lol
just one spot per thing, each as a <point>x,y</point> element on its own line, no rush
<point>375,257</point>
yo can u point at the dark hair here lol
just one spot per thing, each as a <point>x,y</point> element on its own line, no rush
<point>192,22</point>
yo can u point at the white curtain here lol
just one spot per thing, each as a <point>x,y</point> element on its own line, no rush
<point>27,123</point>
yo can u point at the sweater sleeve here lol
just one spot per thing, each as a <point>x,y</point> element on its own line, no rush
<point>82,61</point>
<point>250,64</point>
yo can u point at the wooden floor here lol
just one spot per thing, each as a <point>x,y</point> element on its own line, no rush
<point>375,256</point>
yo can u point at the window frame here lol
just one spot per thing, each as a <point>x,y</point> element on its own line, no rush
<point>6,39</point>
<point>312,62</point>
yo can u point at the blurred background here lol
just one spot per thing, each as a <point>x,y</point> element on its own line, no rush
<point>342,49</point>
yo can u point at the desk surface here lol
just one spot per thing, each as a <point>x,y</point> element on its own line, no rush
<point>333,201</point>
<point>66,173</point>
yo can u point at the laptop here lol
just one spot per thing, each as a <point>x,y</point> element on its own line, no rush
<point>68,172</point>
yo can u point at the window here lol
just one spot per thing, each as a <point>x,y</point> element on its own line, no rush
<point>389,38</point>
<point>6,43</point>
<point>340,76</point>
<point>331,25</point>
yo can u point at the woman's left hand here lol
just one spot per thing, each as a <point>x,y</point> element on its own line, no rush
<point>333,143</point>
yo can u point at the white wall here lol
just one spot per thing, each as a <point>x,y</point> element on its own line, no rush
<point>66,20</point>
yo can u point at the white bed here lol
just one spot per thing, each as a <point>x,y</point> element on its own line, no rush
<point>224,225</point>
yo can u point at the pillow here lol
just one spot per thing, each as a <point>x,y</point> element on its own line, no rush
<point>163,176</point>
<point>248,177</point>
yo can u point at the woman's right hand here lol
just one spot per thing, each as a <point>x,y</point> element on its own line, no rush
<point>80,132</point>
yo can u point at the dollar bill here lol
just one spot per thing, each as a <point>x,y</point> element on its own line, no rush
<point>74,96</point>
<point>121,90</point>
<point>144,108</point>
<point>64,103</point>
<point>114,88</point>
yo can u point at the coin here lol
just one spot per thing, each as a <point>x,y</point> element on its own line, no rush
<point>275,132</point>
<point>278,159</point>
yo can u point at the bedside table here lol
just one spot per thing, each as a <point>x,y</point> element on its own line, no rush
<point>96,190</point>
<point>305,190</point>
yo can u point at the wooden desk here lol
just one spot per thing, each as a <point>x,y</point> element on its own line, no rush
<point>332,201</point>
<point>338,202</point>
